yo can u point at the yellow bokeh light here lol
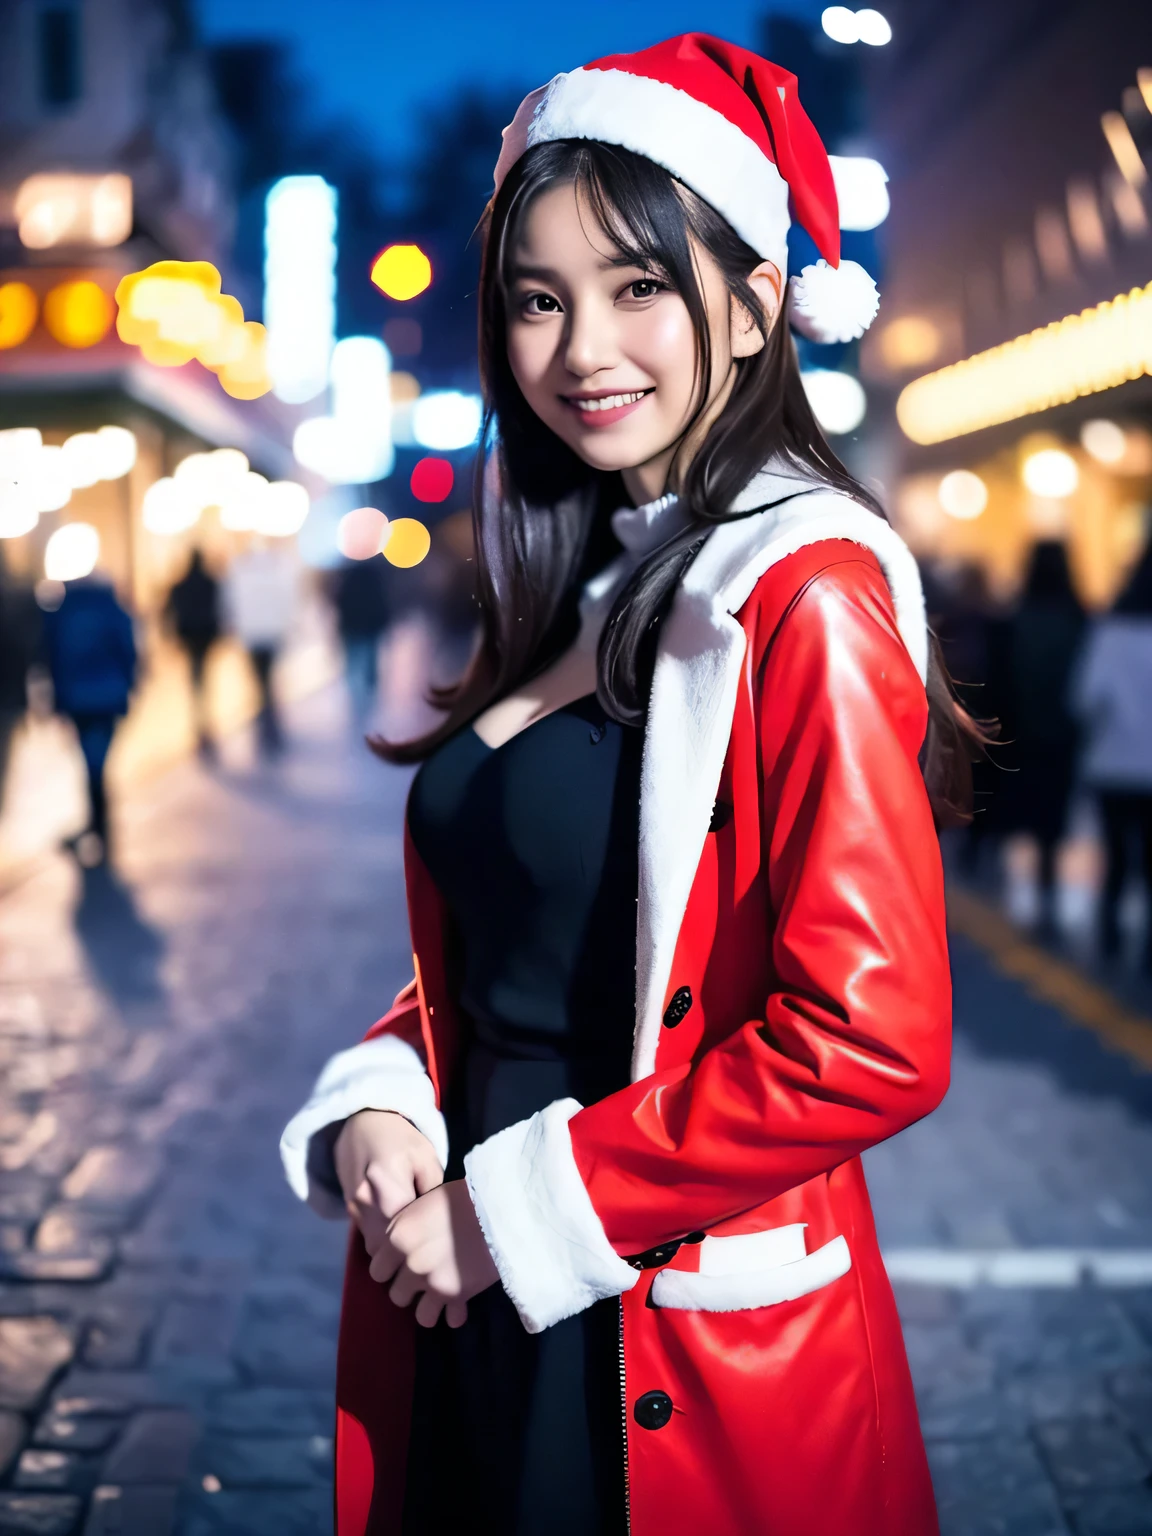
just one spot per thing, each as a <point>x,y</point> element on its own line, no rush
<point>402,271</point>
<point>175,312</point>
<point>78,314</point>
<point>1079,355</point>
<point>909,342</point>
<point>245,376</point>
<point>19,307</point>
<point>408,542</point>
<point>405,386</point>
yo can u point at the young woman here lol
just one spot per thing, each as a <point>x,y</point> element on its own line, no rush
<point>673,883</point>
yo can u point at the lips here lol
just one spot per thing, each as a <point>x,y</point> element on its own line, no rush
<point>604,409</point>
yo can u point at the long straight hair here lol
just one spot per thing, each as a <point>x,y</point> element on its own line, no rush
<point>540,514</point>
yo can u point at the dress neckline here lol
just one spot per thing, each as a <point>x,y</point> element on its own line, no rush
<point>532,724</point>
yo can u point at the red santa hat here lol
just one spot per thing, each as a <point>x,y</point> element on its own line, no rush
<point>729,125</point>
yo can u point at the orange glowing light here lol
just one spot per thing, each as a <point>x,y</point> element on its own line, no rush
<point>408,542</point>
<point>175,312</point>
<point>245,377</point>
<point>18,310</point>
<point>78,314</point>
<point>401,271</point>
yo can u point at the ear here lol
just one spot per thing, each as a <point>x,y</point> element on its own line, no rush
<point>766,283</point>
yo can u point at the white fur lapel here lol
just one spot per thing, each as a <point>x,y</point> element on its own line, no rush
<point>694,691</point>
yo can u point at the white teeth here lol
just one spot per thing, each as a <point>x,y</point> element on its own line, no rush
<point>610,402</point>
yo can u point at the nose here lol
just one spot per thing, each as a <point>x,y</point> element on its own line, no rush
<point>590,344</point>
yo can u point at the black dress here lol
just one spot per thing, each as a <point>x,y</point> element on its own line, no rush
<point>533,846</point>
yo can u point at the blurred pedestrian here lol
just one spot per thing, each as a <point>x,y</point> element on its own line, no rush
<point>259,600</point>
<point>1046,637</point>
<point>20,627</point>
<point>1113,696</point>
<point>362,611</point>
<point>92,658</point>
<point>962,612</point>
<point>193,611</point>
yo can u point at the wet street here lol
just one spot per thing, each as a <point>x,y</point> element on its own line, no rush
<point>168,1311</point>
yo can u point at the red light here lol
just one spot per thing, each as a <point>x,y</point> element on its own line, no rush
<point>432,480</point>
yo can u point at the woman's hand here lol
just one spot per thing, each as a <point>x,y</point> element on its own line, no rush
<point>383,1162</point>
<point>435,1246</point>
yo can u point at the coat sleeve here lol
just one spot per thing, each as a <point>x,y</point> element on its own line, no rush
<point>385,1071</point>
<point>853,1040</point>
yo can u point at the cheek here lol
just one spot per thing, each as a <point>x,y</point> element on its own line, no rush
<point>530,351</point>
<point>665,346</point>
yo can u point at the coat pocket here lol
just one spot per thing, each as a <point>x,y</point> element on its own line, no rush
<point>754,1269</point>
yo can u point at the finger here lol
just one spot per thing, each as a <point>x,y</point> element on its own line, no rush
<point>456,1312</point>
<point>373,1229</point>
<point>427,1172</point>
<point>428,1309</point>
<point>385,1263</point>
<point>389,1192</point>
<point>405,1286</point>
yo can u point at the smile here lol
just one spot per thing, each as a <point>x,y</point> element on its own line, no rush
<point>603,410</point>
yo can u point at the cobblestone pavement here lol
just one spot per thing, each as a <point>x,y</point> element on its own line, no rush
<point>168,1313</point>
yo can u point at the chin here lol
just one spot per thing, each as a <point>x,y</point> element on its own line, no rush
<point>600,452</point>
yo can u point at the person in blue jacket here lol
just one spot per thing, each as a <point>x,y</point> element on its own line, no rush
<point>92,656</point>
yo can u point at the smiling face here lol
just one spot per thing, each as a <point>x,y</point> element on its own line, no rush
<point>605,352</point>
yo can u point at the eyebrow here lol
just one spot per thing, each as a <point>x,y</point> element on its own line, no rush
<point>523,272</point>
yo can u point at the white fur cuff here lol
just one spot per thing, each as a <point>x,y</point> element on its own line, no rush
<point>385,1073</point>
<point>544,1234</point>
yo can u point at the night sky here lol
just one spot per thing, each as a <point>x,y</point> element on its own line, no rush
<point>377,61</point>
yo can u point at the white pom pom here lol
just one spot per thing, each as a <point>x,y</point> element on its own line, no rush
<point>834,303</point>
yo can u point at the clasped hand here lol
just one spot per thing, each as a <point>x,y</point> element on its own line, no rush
<point>420,1233</point>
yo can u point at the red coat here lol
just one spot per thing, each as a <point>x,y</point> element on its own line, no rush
<point>798,1014</point>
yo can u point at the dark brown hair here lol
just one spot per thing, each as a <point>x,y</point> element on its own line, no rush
<point>546,530</point>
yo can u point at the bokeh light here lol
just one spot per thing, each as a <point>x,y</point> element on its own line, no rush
<point>861,191</point>
<point>909,342</point>
<point>210,476</point>
<point>82,460</point>
<point>58,208</point>
<point>404,337</point>
<point>843,25</point>
<point>361,533</point>
<point>446,420</point>
<point>78,314</point>
<point>241,503</point>
<point>19,307</point>
<point>1079,355</point>
<point>963,494</point>
<point>300,285</point>
<point>174,311</point>
<point>353,446</point>
<point>408,542</point>
<point>873,28</point>
<point>837,399</point>
<point>432,480</point>
<point>1106,442</point>
<point>72,552</point>
<point>170,507</point>
<point>18,515</point>
<point>117,452</point>
<point>1051,472</point>
<point>402,271</point>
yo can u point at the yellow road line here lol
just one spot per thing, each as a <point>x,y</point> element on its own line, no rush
<point>1049,979</point>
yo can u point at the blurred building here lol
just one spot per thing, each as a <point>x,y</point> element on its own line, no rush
<point>1017,135</point>
<point>113,155</point>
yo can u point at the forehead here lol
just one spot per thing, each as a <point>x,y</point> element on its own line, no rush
<point>561,230</point>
